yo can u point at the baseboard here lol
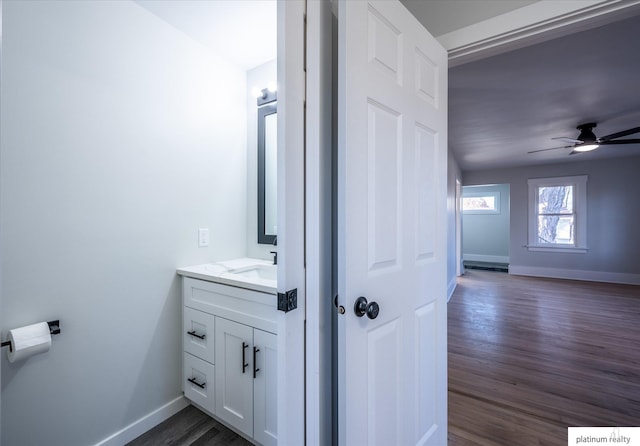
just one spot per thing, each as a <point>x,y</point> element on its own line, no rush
<point>575,274</point>
<point>484,258</point>
<point>451,288</point>
<point>149,421</point>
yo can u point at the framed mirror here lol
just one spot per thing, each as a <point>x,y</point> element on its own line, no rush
<point>267,168</point>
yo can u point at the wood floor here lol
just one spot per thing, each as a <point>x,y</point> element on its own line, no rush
<point>190,427</point>
<point>529,357</point>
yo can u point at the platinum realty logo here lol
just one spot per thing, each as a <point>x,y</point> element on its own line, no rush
<point>582,436</point>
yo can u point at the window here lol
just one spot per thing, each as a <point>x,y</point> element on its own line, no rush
<point>481,202</point>
<point>558,214</point>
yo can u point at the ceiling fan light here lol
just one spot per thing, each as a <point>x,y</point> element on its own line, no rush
<point>586,133</point>
<point>585,147</point>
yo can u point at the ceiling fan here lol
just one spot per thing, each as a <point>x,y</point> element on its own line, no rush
<point>588,141</point>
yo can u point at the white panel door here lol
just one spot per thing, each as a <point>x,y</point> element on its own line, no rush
<point>392,171</point>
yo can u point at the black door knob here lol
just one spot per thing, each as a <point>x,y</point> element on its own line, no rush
<point>362,307</point>
<point>372,310</point>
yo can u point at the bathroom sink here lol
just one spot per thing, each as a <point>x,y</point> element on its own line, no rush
<point>254,274</point>
<point>267,272</point>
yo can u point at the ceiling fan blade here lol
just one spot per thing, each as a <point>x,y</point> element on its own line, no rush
<point>552,148</point>
<point>621,141</point>
<point>569,140</point>
<point>620,134</point>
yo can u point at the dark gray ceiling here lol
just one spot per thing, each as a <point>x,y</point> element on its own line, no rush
<point>506,105</point>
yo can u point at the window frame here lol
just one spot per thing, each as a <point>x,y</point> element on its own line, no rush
<point>494,194</point>
<point>579,183</point>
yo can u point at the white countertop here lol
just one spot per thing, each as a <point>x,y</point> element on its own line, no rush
<point>254,274</point>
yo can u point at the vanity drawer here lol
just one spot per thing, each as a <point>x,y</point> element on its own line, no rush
<point>248,307</point>
<point>198,334</point>
<point>199,382</point>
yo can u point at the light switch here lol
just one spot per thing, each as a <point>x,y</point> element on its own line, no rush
<point>203,237</point>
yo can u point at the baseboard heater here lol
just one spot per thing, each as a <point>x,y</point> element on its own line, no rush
<point>487,266</point>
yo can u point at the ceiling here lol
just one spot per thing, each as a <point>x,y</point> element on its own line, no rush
<point>443,16</point>
<point>500,107</point>
<point>243,32</point>
<point>504,106</point>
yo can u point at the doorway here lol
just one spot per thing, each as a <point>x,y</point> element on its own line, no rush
<point>485,226</point>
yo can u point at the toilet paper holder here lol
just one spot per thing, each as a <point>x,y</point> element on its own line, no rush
<point>54,329</point>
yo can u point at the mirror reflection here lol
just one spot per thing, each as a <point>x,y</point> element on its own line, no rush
<point>267,167</point>
<point>270,174</point>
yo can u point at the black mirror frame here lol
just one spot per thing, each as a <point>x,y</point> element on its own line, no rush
<point>263,112</point>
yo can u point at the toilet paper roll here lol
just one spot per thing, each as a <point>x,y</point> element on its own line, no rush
<point>28,341</point>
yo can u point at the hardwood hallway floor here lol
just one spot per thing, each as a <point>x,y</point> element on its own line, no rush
<point>529,357</point>
<point>190,427</point>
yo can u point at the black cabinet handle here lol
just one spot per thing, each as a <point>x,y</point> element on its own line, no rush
<point>255,369</point>
<point>193,381</point>
<point>244,360</point>
<point>196,335</point>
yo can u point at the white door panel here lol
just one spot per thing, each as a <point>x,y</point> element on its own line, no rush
<point>391,227</point>
<point>384,388</point>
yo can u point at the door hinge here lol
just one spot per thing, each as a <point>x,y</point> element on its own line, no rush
<point>304,43</point>
<point>304,60</point>
<point>288,301</point>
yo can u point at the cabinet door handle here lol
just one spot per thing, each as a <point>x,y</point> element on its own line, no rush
<point>244,360</point>
<point>196,335</point>
<point>255,369</point>
<point>194,381</point>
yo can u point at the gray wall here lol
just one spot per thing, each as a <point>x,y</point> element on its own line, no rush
<point>453,173</point>
<point>612,220</point>
<point>485,237</point>
<point>120,138</point>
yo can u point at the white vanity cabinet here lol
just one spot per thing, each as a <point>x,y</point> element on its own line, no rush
<point>246,369</point>
<point>230,355</point>
<point>264,389</point>
<point>198,362</point>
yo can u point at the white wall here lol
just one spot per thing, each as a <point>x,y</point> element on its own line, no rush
<point>258,77</point>
<point>120,138</point>
<point>1,257</point>
<point>612,218</point>
<point>453,174</point>
<point>485,237</point>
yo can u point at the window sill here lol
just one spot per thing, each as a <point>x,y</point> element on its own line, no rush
<point>556,249</point>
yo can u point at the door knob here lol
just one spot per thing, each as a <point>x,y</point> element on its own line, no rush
<point>372,310</point>
<point>362,307</point>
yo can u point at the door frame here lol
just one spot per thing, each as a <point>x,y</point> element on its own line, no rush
<point>538,22</point>
<point>458,229</point>
<point>319,219</point>
<point>534,23</point>
<point>291,220</point>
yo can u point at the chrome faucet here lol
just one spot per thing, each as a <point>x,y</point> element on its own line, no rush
<point>275,253</point>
